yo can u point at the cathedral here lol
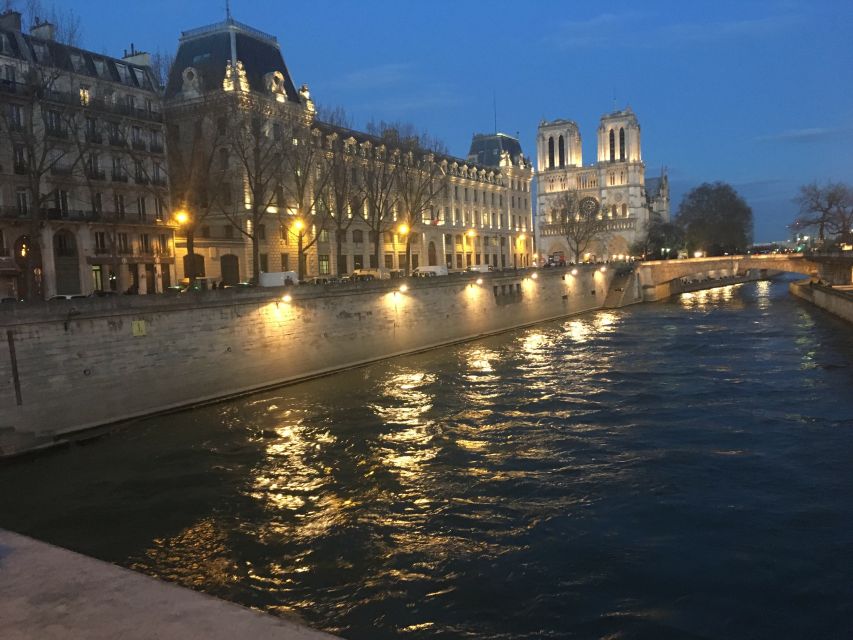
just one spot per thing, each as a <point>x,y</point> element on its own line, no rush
<point>614,188</point>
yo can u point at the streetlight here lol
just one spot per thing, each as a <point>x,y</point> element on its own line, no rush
<point>520,239</point>
<point>403,231</point>
<point>182,218</point>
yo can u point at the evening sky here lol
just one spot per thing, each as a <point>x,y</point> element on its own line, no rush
<point>755,93</point>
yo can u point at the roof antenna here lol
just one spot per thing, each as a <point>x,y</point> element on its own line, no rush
<point>614,100</point>
<point>495,110</point>
<point>228,10</point>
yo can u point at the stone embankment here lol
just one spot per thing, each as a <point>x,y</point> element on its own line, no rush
<point>837,300</point>
<point>68,368</point>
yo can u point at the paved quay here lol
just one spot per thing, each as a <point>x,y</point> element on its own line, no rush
<point>47,592</point>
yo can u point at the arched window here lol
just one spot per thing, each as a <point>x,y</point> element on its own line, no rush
<point>612,146</point>
<point>621,144</point>
<point>624,210</point>
<point>550,153</point>
<point>613,211</point>
<point>562,150</point>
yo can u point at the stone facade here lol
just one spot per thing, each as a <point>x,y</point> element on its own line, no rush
<point>481,212</point>
<point>624,198</point>
<point>83,192</point>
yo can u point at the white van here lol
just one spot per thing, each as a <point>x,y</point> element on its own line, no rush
<point>377,273</point>
<point>479,268</point>
<point>429,272</point>
<point>278,278</point>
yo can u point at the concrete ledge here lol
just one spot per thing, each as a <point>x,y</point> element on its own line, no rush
<point>50,593</point>
<point>837,301</point>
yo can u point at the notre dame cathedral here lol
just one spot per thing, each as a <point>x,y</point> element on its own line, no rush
<point>614,188</point>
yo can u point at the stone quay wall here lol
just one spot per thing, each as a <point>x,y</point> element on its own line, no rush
<point>836,302</point>
<point>70,367</point>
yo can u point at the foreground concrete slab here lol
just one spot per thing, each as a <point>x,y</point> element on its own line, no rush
<point>47,592</point>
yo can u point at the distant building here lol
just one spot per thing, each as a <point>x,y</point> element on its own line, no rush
<point>481,212</point>
<point>614,187</point>
<point>83,187</point>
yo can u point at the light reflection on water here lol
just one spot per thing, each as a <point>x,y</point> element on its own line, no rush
<point>650,472</point>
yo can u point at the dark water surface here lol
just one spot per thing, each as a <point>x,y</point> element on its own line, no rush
<point>678,470</point>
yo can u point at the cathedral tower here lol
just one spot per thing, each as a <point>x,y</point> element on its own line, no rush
<point>619,137</point>
<point>559,145</point>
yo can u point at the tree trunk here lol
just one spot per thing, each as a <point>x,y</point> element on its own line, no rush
<point>339,247</point>
<point>408,254</point>
<point>300,259</point>
<point>190,265</point>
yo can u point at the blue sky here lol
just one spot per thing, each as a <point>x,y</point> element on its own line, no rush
<point>757,93</point>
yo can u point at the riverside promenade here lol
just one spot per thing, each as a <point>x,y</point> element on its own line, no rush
<point>49,593</point>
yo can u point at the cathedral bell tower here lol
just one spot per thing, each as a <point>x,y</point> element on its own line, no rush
<point>619,137</point>
<point>558,145</point>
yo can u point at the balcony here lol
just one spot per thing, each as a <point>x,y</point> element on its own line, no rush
<point>96,174</point>
<point>157,147</point>
<point>21,168</point>
<point>118,176</point>
<point>117,141</point>
<point>57,132</point>
<point>140,179</point>
<point>158,182</point>
<point>93,137</point>
<point>139,145</point>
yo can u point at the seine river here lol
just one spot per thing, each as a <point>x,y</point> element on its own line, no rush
<point>677,470</point>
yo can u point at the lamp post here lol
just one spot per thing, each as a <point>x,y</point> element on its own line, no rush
<point>299,227</point>
<point>403,230</point>
<point>183,220</point>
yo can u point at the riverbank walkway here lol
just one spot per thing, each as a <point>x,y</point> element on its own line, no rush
<point>49,593</point>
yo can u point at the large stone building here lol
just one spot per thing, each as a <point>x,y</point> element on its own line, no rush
<point>480,210</point>
<point>614,188</point>
<point>83,191</point>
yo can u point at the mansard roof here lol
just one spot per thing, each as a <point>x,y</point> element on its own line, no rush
<point>362,137</point>
<point>486,149</point>
<point>209,50</point>
<point>56,55</point>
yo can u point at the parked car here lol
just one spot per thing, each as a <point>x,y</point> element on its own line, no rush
<point>324,280</point>
<point>479,268</point>
<point>8,299</point>
<point>103,293</point>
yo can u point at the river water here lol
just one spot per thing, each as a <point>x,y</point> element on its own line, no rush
<point>676,470</point>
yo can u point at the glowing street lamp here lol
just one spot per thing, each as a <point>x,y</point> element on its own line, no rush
<point>299,227</point>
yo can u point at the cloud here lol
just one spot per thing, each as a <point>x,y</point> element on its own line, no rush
<point>627,30</point>
<point>383,75</point>
<point>813,134</point>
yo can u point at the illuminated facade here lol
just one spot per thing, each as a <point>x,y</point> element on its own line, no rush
<point>614,187</point>
<point>83,192</point>
<point>481,212</point>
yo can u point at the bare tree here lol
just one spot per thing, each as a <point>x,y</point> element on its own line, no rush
<point>828,208</point>
<point>66,23</point>
<point>161,66</point>
<point>419,183</point>
<point>579,225</point>
<point>37,126</point>
<point>343,196</point>
<point>198,171</point>
<point>306,174</point>
<point>258,141</point>
<point>378,172</point>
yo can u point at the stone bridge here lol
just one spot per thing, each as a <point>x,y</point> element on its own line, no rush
<point>657,276</point>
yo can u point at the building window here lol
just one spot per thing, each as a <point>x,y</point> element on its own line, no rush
<point>119,205</point>
<point>324,265</point>
<point>141,208</point>
<point>262,232</point>
<point>358,262</point>
<point>205,231</point>
<point>562,151</point>
<point>621,143</point>
<point>324,235</point>
<point>158,208</point>
<point>358,236</point>
<point>229,231</point>
<point>100,242</point>
<point>144,243</point>
<point>612,146</point>
<point>16,117</point>
<point>285,262</point>
<point>389,260</point>
<point>264,260</point>
<point>84,95</point>
<point>550,153</point>
<point>223,158</point>
<point>123,243</point>
<point>163,244</point>
<point>22,200</point>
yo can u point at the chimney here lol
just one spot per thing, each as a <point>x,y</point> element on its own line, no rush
<point>10,20</point>
<point>141,58</point>
<point>44,30</point>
